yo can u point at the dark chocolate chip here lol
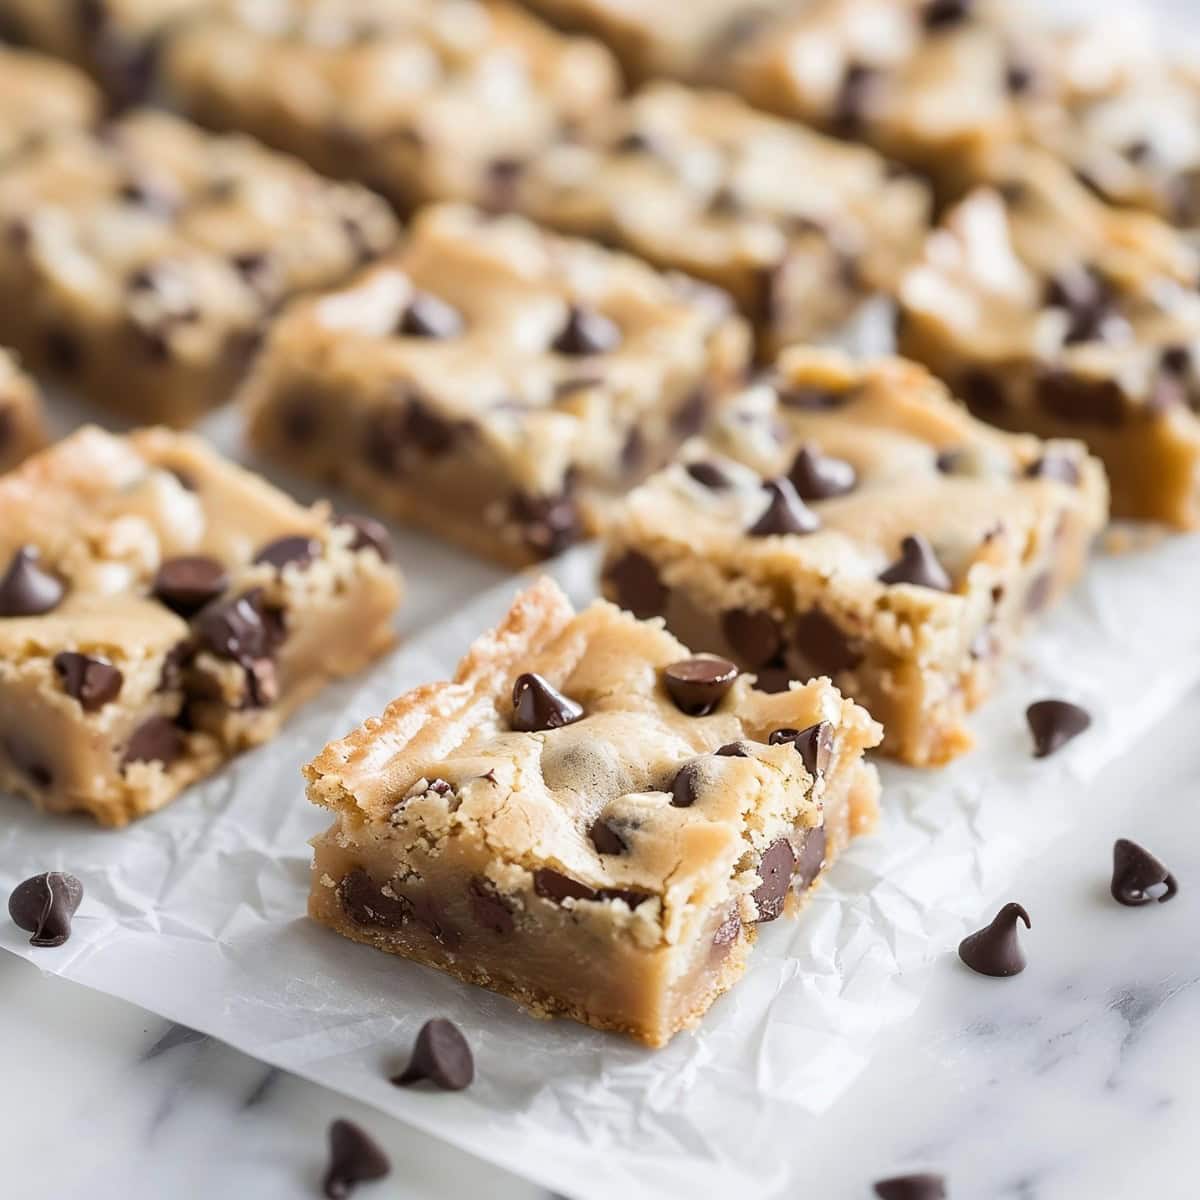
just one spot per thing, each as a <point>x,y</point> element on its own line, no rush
<point>816,476</point>
<point>810,399</point>
<point>64,353</point>
<point>441,1056</point>
<point>503,176</point>
<point>186,584</point>
<point>698,685</point>
<point>636,584</point>
<point>821,645</point>
<point>27,759</point>
<point>548,524</point>
<point>1054,723</point>
<point>91,681</point>
<point>732,750</point>
<point>553,885</point>
<point>366,904</point>
<point>785,513</point>
<point>708,475</point>
<point>586,331</point>
<point>1176,359</point>
<point>27,590</point>
<point>815,745</point>
<point>918,565</point>
<point>1054,466</point>
<point>429,316</point>
<point>1087,300</point>
<point>996,949</point>
<point>354,1157</point>
<point>755,636</point>
<point>924,1186</point>
<point>369,534</point>
<point>854,99</point>
<point>606,839</point>
<point>1019,77</point>
<point>634,142</point>
<point>489,909</point>
<point>1138,877</point>
<point>296,550</point>
<point>157,739</point>
<point>775,869</point>
<point>982,393</point>
<point>810,862</point>
<point>239,629</point>
<point>538,705</point>
<point>44,906</point>
<point>944,14</point>
<point>688,418</point>
<point>685,787</point>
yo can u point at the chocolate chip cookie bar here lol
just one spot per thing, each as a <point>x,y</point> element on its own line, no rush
<point>588,818</point>
<point>160,611</point>
<point>21,427</point>
<point>1051,312</point>
<point>491,381</point>
<point>800,229</point>
<point>422,99</point>
<point>149,255</point>
<point>850,520</point>
<point>38,94</point>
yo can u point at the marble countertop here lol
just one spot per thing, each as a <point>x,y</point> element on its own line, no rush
<point>1078,1080</point>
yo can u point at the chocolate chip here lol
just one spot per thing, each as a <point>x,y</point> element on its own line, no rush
<point>369,534</point>
<point>634,142</point>
<point>428,316</point>
<point>708,475</point>
<point>1054,723</point>
<point>1054,466</point>
<point>810,399</point>
<point>577,383</point>
<point>366,904</point>
<point>296,550</point>
<point>553,885</point>
<point>814,744</point>
<point>996,949</point>
<point>698,685</point>
<point>27,590</point>
<point>354,1158</point>
<point>775,870</point>
<point>548,524</point>
<point>239,629</point>
<point>1138,877</point>
<point>821,645</point>
<point>586,331</point>
<point>785,513</point>
<point>918,565</point>
<point>688,418</point>
<point>186,584</point>
<point>1176,359</point>
<point>64,354</point>
<point>1087,300</point>
<point>503,176</point>
<point>157,739</point>
<point>943,14</point>
<point>44,906</point>
<point>1080,400</point>
<point>924,1186</point>
<point>633,453</point>
<point>606,839</point>
<point>636,584</point>
<point>489,909</point>
<point>685,787</point>
<point>982,393</point>
<point>854,99</point>
<point>755,636</point>
<point>732,750</point>
<point>816,476</point>
<point>763,305</point>
<point>1019,78</point>
<point>538,705</point>
<point>441,1056</point>
<point>810,862</point>
<point>91,681</point>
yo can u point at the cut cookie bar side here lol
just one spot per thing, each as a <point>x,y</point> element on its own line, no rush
<point>586,819</point>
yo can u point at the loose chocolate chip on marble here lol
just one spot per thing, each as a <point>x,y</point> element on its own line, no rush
<point>732,750</point>
<point>354,1157</point>
<point>775,869</point>
<point>157,739</point>
<point>548,524</point>
<point>756,637</point>
<point>817,476</point>
<point>429,316</point>
<point>606,839</point>
<point>538,705</point>
<point>810,862</point>
<point>1138,877</point>
<point>186,584</point>
<point>440,1056</point>
<point>1054,723</point>
<point>943,14</point>
<point>636,583</point>
<point>923,1186</point>
<point>295,550</point>
<point>822,647</point>
<point>44,906</point>
<point>917,564</point>
<point>854,99</point>
<point>698,685</point>
<point>685,787</point>
<point>27,589</point>
<point>814,744</point>
<point>996,949</point>
<point>369,534</point>
<point>708,475</point>
<point>586,331</point>
<point>489,909</point>
<point>91,681</point>
<point>1054,466</point>
<point>367,904</point>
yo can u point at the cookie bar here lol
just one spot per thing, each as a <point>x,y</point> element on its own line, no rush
<point>851,520</point>
<point>800,229</point>
<point>587,818</point>
<point>21,427</point>
<point>422,99</point>
<point>491,380</point>
<point>161,610</point>
<point>1050,312</point>
<point>38,94</point>
<point>149,255</point>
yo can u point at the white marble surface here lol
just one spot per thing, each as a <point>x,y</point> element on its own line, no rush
<point>1078,1080</point>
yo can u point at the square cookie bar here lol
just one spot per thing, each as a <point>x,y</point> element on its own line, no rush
<point>150,254</point>
<point>38,94</point>
<point>587,818</point>
<point>422,99</point>
<point>1050,312</point>
<point>851,520</point>
<point>490,381</point>
<point>22,430</point>
<point>800,229</point>
<point>161,610</point>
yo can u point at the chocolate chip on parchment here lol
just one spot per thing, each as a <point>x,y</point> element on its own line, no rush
<point>917,564</point>
<point>429,316</point>
<point>996,949</point>
<point>538,705</point>
<point>708,475</point>
<point>91,681</point>
<point>754,635</point>
<point>27,589</point>
<point>186,584</point>
<point>295,550</point>
<point>44,905</point>
<point>922,1186</point>
<point>775,869</point>
<point>586,331</point>
<point>814,745</point>
<point>157,739</point>
<point>637,585</point>
<point>817,476</point>
<point>1138,877</point>
<point>368,534</point>
<point>354,1157</point>
<point>606,839</point>
<point>785,512</point>
<point>697,685</point>
<point>1054,723</point>
<point>440,1056</point>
